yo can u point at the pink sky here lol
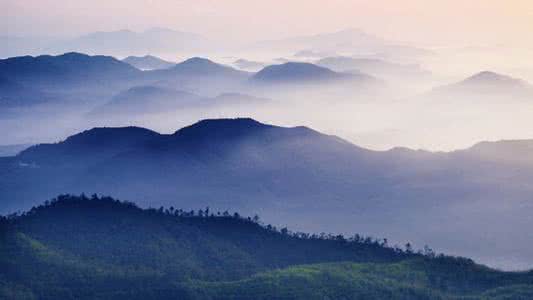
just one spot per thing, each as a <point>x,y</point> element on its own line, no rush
<point>420,21</point>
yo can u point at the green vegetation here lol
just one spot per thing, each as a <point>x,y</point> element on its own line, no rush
<point>100,248</point>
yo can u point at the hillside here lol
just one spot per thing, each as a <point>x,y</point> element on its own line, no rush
<point>66,68</point>
<point>60,82</point>
<point>350,40</point>
<point>293,72</point>
<point>148,62</point>
<point>197,67</point>
<point>294,177</point>
<point>142,100</point>
<point>86,248</point>
<point>485,86</point>
<point>14,94</point>
<point>122,42</point>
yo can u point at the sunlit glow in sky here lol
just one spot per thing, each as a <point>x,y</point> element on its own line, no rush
<point>428,22</point>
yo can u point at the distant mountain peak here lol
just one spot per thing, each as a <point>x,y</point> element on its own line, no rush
<point>73,54</point>
<point>91,143</point>
<point>213,125</point>
<point>489,77</point>
<point>488,84</point>
<point>110,135</point>
<point>204,66</point>
<point>67,67</point>
<point>199,60</point>
<point>148,62</point>
<point>296,71</point>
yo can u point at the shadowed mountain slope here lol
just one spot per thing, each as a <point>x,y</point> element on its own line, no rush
<point>293,72</point>
<point>86,248</point>
<point>486,85</point>
<point>148,62</point>
<point>294,176</point>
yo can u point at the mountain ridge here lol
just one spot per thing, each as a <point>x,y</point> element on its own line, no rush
<point>148,62</point>
<point>76,247</point>
<point>296,72</point>
<point>286,174</point>
<point>487,84</point>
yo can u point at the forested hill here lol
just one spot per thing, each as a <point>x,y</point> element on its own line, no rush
<point>87,248</point>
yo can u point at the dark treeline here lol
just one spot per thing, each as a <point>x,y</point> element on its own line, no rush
<point>79,247</point>
<point>196,216</point>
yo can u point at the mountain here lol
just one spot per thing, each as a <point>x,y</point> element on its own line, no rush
<point>148,99</point>
<point>351,40</point>
<point>201,67</point>
<point>14,94</point>
<point>90,146</point>
<point>80,78</point>
<point>155,40</point>
<point>68,68</point>
<point>200,76</point>
<point>148,62</point>
<point>326,41</point>
<point>296,177</point>
<point>508,151</point>
<point>117,43</point>
<point>375,67</point>
<point>488,85</point>
<point>86,248</point>
<point>295,72</point>
<point>69,81</point>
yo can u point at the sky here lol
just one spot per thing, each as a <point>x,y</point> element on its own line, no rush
<point>422,22</point>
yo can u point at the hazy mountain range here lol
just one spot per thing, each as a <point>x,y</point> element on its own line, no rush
<point>296,72</point>
<point>148,99</point>
<point>486,85</point>
<point>148,62</point>
<point>350,40</point>
<point>66,70</point>
<point>198,66</point>
<point>299,177</point>
<point>125,42</point>
<point>215,204</point>
<point>145,100</point>
<point>79,247</point>
<point>163,40</point>
<point>73,76</point>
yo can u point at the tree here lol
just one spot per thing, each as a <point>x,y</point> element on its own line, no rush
<point>428,252</point>
<point>256,219</point>
<point>409,248</point>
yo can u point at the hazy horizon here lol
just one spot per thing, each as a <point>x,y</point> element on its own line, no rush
<point>445,23</point>
<point>421,135</point>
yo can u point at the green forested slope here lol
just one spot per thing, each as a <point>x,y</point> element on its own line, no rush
<point>100,248</point>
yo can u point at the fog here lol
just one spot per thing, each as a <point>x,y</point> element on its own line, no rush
<point>397,112</point>
<point>381,87</point>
